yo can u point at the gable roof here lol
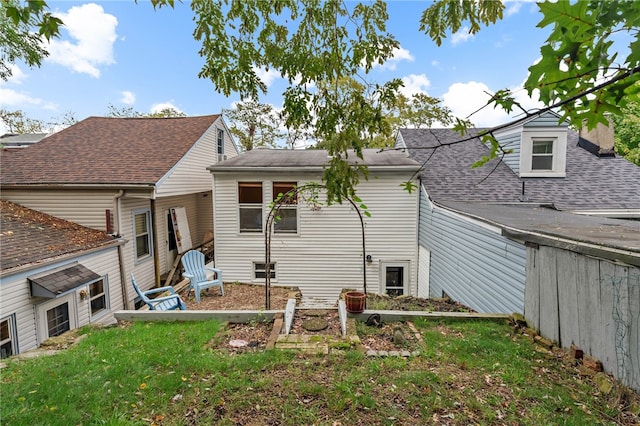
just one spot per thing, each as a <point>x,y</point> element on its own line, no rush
<point>591,182</point>
<point>310,160</point>
<point>30,237</point>
<point>105,150</point>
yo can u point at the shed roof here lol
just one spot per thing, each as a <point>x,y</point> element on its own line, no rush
<point>105,150</point>
<point>582,233</point>
<point>591,182</point>
<point>31,237</point>
<point>310,160</point>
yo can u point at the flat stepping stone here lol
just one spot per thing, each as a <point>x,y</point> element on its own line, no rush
<point>315,312</point>
<point>315,324</point>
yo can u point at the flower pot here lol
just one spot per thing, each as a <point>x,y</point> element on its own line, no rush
<point>355,301</point>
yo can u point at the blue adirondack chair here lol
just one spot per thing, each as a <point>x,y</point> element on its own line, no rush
<point>196,271</point>
<point>164,303</point>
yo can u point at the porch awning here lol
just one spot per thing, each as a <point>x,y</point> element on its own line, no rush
<point>56,282</point>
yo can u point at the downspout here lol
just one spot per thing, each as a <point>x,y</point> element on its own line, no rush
<point>154,233</point>
<point>123,272</point>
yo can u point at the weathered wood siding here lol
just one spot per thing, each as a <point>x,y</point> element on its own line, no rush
<point>15,298</point>
<point>471,262</point>
<point>325,255</point>
<point>86,208</point>
<point>592,303</point>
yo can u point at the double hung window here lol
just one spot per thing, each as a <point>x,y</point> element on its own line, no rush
<point>250,206</point>
<point>287,214</point>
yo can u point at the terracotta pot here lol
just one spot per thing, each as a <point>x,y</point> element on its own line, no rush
<point>355,301</point>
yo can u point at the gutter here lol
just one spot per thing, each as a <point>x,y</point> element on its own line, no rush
<point>303,169</point>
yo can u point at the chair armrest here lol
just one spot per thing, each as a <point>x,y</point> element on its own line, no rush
<point>187,275</point>
<point>217,271</point>
<point>162,299</point>
<point>160,290</point>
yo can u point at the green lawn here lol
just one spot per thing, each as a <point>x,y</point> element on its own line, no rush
<point>469,372</point>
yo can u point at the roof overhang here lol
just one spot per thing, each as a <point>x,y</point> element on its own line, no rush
<point>60,281</point>
<point>306,169</point>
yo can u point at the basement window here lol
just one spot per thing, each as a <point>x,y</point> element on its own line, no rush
<point>7,339</point>
<point>260,273</point>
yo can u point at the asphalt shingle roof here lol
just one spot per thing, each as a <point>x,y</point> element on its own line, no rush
<point>591,182</point>
<point>310,159</point>
<point>100,150</point>
<point>31,237</point>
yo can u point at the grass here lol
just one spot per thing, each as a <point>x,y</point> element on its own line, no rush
<point>164,373</point>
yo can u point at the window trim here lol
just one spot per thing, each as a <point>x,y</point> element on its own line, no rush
<point>405,265</point>
<point>255,270</point>
<point>292,206</point>
<point>559,152</point>
<point>256,205</point>
<point>13,335</point>
<point>149,255</point>
<point>41,313</point>
<point>220,141</point>
<point>105,294</point>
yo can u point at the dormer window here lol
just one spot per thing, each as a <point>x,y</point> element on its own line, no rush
<point>542,154</point>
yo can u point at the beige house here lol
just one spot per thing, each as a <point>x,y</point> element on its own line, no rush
<point>316,248</point>
<point>142,179</point>
<point>55,276</point>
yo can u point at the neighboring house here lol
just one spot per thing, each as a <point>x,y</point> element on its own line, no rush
<point>55,276</point>
<point>468,216</point>
<point>25,140</point>
<point>143,179</point>
<point>318,250</point>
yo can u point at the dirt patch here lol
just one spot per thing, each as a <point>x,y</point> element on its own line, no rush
<point>396,336</point>
<point>410,303</point>
<point>238,296</point>
<point>309,315</point>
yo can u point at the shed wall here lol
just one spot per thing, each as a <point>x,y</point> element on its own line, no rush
<point>471,263</point>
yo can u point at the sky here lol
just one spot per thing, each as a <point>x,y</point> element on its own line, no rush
<point>127,54</point>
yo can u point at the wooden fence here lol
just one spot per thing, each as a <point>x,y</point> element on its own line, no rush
<point>590,302</point>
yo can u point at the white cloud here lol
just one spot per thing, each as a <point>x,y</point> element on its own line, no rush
<point>435,63</point>
<point>128,98</point>
<point>461,36</point>
<point>397,55</point>
<point>513,8</point>
<point>164,105</point>
<point>466,98</point>
<point>267,76</point>
<point>414,83</point>
<point>92,33</point>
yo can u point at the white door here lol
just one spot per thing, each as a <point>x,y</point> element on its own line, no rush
<point>424,262</point>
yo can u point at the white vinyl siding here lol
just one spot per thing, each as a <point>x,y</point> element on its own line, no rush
<point>325,255</point>
<point>143,270</point>
<point>471,263</point>
<point>142,234</point>
<point>86,208</point>
<point>16,300</point>
<point>190,174</point>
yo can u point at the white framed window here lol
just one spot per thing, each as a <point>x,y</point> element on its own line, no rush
<point>395,278</point>
<point>98,297</point>
<point>220,142</point>
<point>542,154</point>
<point>287,216</point>
<point>142,234</point>
<point>7,337</point>
<point>56,316</point>
<point>250,206</point>
<point>260,271</point>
